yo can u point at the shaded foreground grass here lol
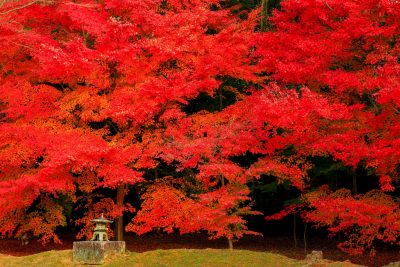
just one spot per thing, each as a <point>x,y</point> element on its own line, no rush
<point>173,257</point>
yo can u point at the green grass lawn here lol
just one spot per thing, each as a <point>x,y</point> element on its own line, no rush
<point>174,257</point>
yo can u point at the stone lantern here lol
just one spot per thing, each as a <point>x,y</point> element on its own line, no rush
<point>100,231</point>
<point>99,247</point>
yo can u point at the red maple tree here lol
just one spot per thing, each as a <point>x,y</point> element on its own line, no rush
<point>87,89</point>
<point>93,94</point>
<point>348,53</point>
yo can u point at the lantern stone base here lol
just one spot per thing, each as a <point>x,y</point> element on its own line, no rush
<point>95,252</point>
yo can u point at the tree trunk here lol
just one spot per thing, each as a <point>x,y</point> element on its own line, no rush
<point>264,15</point>
<point>294,230</point>
<point>220,153</point>
<point>220,99</point>
<point>230,243</point>
<point>119,221</point>
<point>304,238</point>
<point>354,191</point>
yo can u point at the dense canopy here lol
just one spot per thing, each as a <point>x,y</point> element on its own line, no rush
<point>188,104</point>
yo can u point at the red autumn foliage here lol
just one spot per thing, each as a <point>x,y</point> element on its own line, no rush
<point>218,212</point>
<point>347,52</point>
<point>93,94</point>
<point>363,219</point>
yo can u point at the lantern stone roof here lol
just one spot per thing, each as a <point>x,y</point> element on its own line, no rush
<point>101,220</point>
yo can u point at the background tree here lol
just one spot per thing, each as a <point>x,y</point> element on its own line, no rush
<point>347,54</point>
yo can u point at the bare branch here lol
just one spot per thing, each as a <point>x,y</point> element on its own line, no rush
<point>17,8</point>
<point>22,45</point>
<point>81,5</point>
<point>2,2</point>
<point>328,6</point>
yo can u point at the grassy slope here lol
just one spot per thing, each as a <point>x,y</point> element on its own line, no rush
<point>176,257</point>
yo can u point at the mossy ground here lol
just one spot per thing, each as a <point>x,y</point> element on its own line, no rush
<point>172,257</point>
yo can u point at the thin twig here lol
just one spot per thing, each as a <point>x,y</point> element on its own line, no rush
<point>21,27</point>
<point>328,6</point>
<point>2,2</point>
<point>81,5</point>
<point>18,8</point>
<point>22,45</point>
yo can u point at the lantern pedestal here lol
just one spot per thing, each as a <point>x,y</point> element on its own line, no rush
<point>95,252</point>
